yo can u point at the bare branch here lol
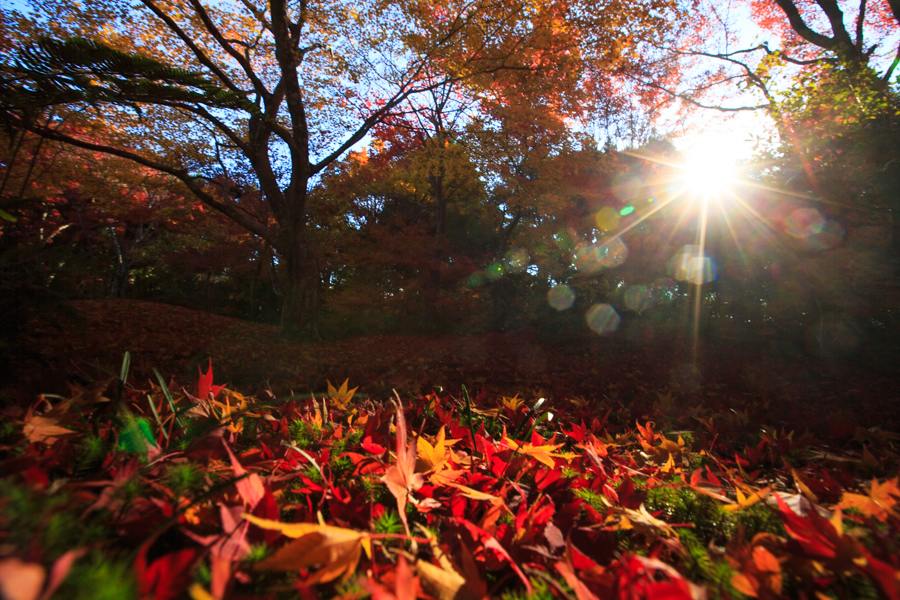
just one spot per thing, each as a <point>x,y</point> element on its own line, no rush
<point>886,78</point>
<point>860,21</point>
<point>686,98</point>
<point>258,85</point>
<point>800,26</point>
<point>259,14</point>
<point>201,56</point>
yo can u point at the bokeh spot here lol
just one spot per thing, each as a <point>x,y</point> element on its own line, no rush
<point>561,297</point>
<point>830,237</point>
<point>517,259</point>
<point>639,298</point>
<point>591,259</point>
<point>804,222</point>
<point>607,218</point>
<point>664,289</point>
<point>690,265</point>
<point>603,318</point>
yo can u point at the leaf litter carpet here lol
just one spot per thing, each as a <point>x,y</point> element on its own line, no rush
<point>581,468</point>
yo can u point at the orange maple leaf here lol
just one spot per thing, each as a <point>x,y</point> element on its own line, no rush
<point>401,478</point>
<point>45,430</point>
<point>543,454</point>
<point>760,574</point>
<point>334,549</point>
<point>880,502</point>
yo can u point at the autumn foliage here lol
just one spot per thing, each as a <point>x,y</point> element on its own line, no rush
<point>155,490</point>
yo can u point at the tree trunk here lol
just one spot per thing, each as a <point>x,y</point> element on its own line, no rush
<point>299,311</point>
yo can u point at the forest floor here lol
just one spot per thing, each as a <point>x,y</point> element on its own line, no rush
<point>735,470</point>
<point>843,392</point>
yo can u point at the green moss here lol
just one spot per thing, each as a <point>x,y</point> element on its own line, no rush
<point>388,523</point>
<point>711,522</point>
<point>192,431</point>
<point>758,518</point>
<point>355,437</point>
<point>340,466</point>
<point>8,430</point>
<point>591,497</point>
<point>541,590</point>
<point>313,474</point>
<point>681,505</point>
<point>184,479</point>
<point>494,427</point>
<point>303,434</point>
<point>568,473</point>
<point>338,447</point>
<point>97,577</point>
<point>698,565</point>
<point>91,452</point>
<point>353,588</point>
<point>49,522</point>
<point>375,490</point>
<point>258,552</point>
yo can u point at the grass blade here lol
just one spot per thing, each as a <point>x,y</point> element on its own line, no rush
<point>162,427</point>
<point>168,395</point>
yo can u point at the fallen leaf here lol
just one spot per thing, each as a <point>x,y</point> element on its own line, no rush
<point>341,397</point>
<point>880,502</point>
<point>334,549</point>
<point>45,430</point>
<point>20,580</point>
<point>544,454</point>
<point>401,478</point>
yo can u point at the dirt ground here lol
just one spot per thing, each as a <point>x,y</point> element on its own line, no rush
<point>633,366</point>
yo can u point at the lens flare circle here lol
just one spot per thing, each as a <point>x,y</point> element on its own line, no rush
<point>639,298</point>
<point>602,318</point>
<point>561,297</point>
<point>689,264</point>
<point>596,257</point>
<point>804,223</point>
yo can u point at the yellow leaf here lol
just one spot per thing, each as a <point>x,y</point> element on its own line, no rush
<point>432,457</point>
<point>513,403</point>
<point>621,518</point>
<point>444,584</point>
<point>341,397</point>
<point>486,412</point>
<point>334,549</point>
<point>198,592</point>
<point>745,501</point>
<point>475,494</point>
<point>542,454</point>
<point>804,489</point>
<point>445,476</point>
<point>294,530</point>
<point>669,467</point>
<point>869,459</point>
<point>20,580</point>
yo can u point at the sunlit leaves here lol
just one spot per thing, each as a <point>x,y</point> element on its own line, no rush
<point>543,453</point>
<point>596,499</point>
<point>880,502</point>
<point>336,550</point>
<point>341,397</point>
